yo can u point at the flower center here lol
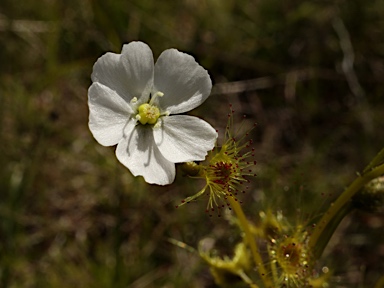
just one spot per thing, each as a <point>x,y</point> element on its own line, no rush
<point>148,114</point>
<point>223,172</point>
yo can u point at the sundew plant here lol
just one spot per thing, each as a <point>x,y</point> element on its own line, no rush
<point>191,143</point>
<point>136,104</point>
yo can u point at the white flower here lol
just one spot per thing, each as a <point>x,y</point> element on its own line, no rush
<point>132,102</point>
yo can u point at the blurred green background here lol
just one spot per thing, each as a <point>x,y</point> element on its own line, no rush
<point>310,73</point>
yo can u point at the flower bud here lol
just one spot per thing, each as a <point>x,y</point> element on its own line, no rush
<point>190,168</point>
<point>371,197</point>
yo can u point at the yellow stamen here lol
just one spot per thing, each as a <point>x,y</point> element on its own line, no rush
<point>148,114</point>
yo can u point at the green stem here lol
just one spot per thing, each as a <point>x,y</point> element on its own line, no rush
<point>376,161</point>
<point>332,225</point>
<point>273,265</point>
<point>250,240</point>
<point>321,230</point>
<point>380,282</point>
<point>247,280</point>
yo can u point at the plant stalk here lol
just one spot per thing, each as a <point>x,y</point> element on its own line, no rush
<point>251,241</point>
<point>322,227</point>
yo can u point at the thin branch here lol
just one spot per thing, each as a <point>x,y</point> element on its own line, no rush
<point>266,82</point>
<point>350,74</point>
<point>348,60</point>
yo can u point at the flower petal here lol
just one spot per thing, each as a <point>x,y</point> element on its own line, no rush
<point>139,153</point>
<point>108,114</point>
<point>138,62</point>
<point>183,138</point>
<point>183,81</point>
<point>130,73</point>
